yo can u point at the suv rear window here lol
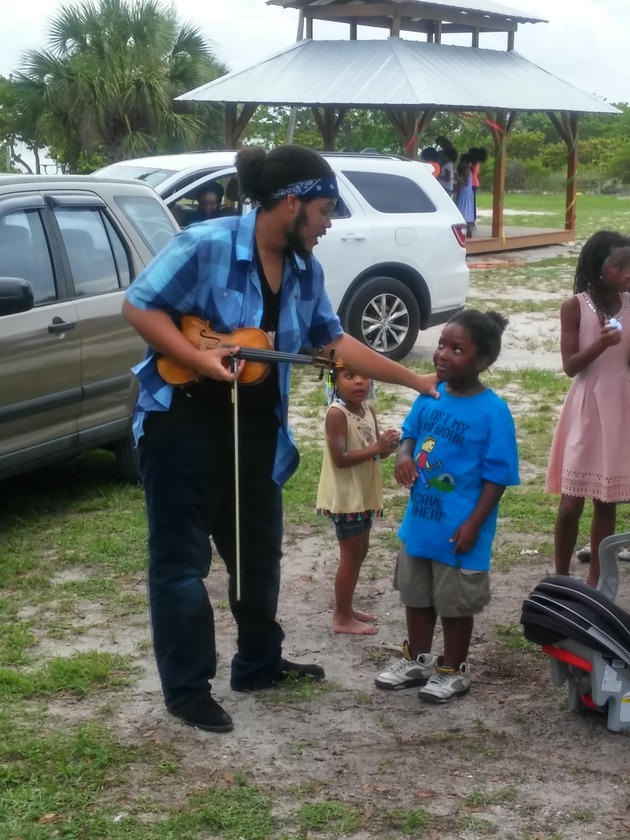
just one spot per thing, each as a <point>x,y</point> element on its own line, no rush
<point>149,219</point>
<point>391,193</point>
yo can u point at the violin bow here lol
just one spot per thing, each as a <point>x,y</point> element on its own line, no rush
<point>252,354</point>
<point>237,488</point>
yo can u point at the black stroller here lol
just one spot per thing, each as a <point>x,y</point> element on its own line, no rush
<point>586,635</point>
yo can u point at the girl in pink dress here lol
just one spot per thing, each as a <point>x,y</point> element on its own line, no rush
<point>590,456</point>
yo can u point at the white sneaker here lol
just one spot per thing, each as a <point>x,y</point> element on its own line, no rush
<point>445,684</point>
<point>584,554</point>
<point>407,672</point>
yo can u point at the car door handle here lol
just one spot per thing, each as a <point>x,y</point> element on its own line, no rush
<point>352,237</point>
<point>60,326</point>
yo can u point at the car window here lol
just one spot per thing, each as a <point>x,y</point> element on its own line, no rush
<point>120,254</point>
<point>341,210</point>
<point>149,218</point>
<point>24,253</point>
<point>186,180</point>
<point>391,193</point>
<point>185,208</point>
<point>149,174</point>
<point>88,237</point>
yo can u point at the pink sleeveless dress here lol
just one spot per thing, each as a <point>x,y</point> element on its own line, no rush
<point>590,452</point>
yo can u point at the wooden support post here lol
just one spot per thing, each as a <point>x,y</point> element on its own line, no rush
<point>235,123</point>
<point>230,124</point>
<point>572,171</point>
<point>329,124</point>
<point>409,126</point>
<point>500,130</point>
<point>567,127</point>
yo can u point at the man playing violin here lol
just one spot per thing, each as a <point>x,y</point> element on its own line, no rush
<point>234,272</point>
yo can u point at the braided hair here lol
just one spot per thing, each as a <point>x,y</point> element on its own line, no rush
<point>590,264</point>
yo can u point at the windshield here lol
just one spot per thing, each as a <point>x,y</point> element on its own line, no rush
<point>149,174</point>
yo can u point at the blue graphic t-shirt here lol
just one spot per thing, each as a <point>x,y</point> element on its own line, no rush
<point>460,442</point>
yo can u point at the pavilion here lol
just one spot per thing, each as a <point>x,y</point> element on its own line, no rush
<point>412,80</point>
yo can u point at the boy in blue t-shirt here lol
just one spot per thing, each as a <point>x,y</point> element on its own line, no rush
<point>457,456</point>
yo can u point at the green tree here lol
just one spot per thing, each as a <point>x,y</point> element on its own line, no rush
<point>525,144</point>
<point>104,87</point>
<point>15,128</point>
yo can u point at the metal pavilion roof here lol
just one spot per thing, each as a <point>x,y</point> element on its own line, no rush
<point>494,13</point>
<point>399,73</point>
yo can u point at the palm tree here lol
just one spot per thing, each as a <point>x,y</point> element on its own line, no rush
<point>107,81</point>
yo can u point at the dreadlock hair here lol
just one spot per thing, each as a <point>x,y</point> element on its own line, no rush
<point>485,330</point>
<point>590,264</point>
<point>262,173</point>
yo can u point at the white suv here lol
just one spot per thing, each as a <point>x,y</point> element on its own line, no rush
<point>394,259</point>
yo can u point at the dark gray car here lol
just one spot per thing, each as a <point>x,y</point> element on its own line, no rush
<point>69,246</point>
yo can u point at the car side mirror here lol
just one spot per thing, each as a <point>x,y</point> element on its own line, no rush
<point>16,295</point>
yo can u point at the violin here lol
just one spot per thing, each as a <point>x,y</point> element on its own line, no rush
<point>255,348</point>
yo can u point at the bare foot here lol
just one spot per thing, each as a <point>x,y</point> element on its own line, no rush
<point>356,628</point>
<point>362,616</point>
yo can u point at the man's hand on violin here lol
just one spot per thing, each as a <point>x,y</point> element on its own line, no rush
<point>216,363</point>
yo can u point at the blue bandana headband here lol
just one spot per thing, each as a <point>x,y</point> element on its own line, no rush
<point>313,188</point>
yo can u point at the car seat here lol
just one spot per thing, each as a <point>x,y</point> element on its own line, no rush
<point>233,194</point>
<point>586,635</point>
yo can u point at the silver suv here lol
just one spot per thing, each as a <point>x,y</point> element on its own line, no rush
<point>395,257</point>
<point>69,247</point>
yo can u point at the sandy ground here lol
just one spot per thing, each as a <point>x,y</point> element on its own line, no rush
<point>508,761</point>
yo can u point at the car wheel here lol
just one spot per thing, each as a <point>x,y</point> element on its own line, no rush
<point>384,314</point>
<point>127,459</point>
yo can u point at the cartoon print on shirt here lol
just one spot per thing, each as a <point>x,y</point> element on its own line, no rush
<point>422,461</point>
<point>444,481</point>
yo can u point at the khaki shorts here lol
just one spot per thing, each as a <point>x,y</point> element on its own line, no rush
<point>452,592</point>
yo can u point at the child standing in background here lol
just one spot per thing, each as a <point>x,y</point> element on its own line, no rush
<point>350,489</point>
<point>456,456</point>
<point>477,156</point>
<point>590,456</point>
<point>464,197</point>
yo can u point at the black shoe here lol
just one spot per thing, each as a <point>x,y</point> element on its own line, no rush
<point>203,712</point>
<point>288,670</point>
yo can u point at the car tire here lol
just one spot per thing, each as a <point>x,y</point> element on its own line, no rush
<point>384,314</point>
<point>127,462</point>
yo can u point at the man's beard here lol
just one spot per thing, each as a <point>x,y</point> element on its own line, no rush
<point>293,234</point>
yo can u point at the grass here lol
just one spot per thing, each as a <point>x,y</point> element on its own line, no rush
<point>72,556</point>
<point>594,212</point>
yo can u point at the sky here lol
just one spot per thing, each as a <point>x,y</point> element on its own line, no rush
<point>585,42</point>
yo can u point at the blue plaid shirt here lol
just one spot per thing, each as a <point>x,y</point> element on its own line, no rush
<point>209,270</point>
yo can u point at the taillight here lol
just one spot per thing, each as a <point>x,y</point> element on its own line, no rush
<point>460,234</point>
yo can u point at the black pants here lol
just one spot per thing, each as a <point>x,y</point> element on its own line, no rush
<point>187,465</point>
